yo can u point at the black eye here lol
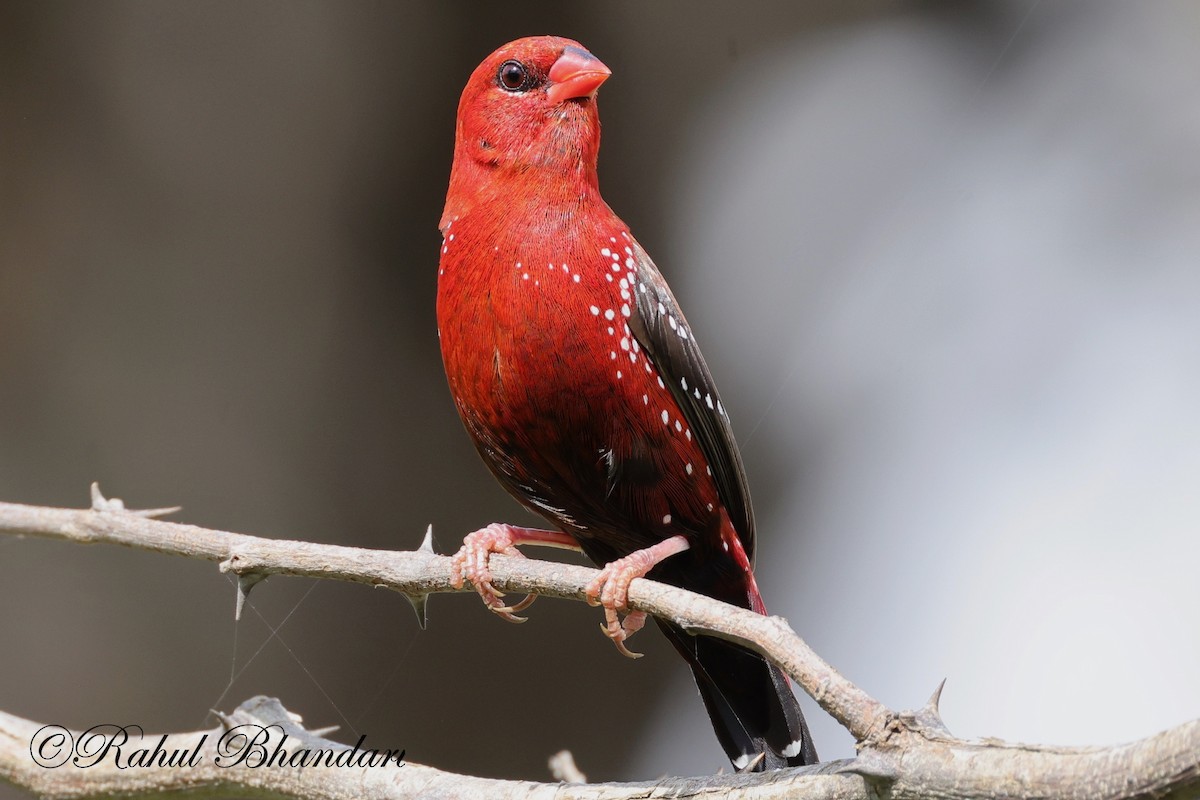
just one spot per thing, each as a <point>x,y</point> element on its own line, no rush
<point>513,77</point>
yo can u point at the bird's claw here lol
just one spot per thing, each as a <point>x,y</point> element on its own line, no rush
<point>502,611</point>
<point>516,608</point>
<point>610,589</point>
<point>471,563</point>
<point>619,631</point>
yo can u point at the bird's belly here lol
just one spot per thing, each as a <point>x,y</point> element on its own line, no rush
<point>571,416</point>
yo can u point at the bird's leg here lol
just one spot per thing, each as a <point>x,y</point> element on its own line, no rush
<point>610,589</point>
<point>471,561</point>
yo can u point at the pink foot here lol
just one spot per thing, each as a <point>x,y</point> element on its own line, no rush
<point>471,561</point>
<point>610,589</point>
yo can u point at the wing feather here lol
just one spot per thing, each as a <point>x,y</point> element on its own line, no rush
<point>660,328</point>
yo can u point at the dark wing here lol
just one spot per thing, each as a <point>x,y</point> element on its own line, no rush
<point>659,327</point>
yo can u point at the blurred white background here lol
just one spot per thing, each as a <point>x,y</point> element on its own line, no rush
<point>963,287</point>
<point>941,257</point>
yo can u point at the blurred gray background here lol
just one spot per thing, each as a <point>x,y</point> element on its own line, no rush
<point>943,258</point>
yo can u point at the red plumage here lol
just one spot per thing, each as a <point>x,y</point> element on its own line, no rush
<point>580,381</point>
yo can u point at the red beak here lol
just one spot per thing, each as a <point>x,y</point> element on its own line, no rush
<point>576,73</point>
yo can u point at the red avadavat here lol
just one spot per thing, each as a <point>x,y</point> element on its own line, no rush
<point>582,385</point>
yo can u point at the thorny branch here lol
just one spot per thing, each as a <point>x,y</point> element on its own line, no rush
<point>901,755</point>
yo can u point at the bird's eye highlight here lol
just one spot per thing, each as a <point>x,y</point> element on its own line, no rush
<point>513,77</point>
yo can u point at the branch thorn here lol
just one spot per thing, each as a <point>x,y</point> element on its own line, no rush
<point>427,542</point>
<point>930,717</point>
<point>245,582</point>
<point>935,699</point>
<point>751,764</point>
<point>117,505</point>
<point>563,768</point>
<point>871,766</point>
<point>227,721</point>
<point>420,603</point>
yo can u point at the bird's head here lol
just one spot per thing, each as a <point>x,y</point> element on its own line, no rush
<point>530,106</point>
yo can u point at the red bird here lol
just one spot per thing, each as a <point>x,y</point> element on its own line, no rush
<point>582,386</point>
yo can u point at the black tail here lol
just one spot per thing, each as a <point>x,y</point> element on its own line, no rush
<point>749,701</point>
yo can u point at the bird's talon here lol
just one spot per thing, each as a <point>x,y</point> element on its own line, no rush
<point>625,651</point>
<point>470,563</point>
<point>495,605</point>
<point>521,606</point>
<point>614,631</point>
